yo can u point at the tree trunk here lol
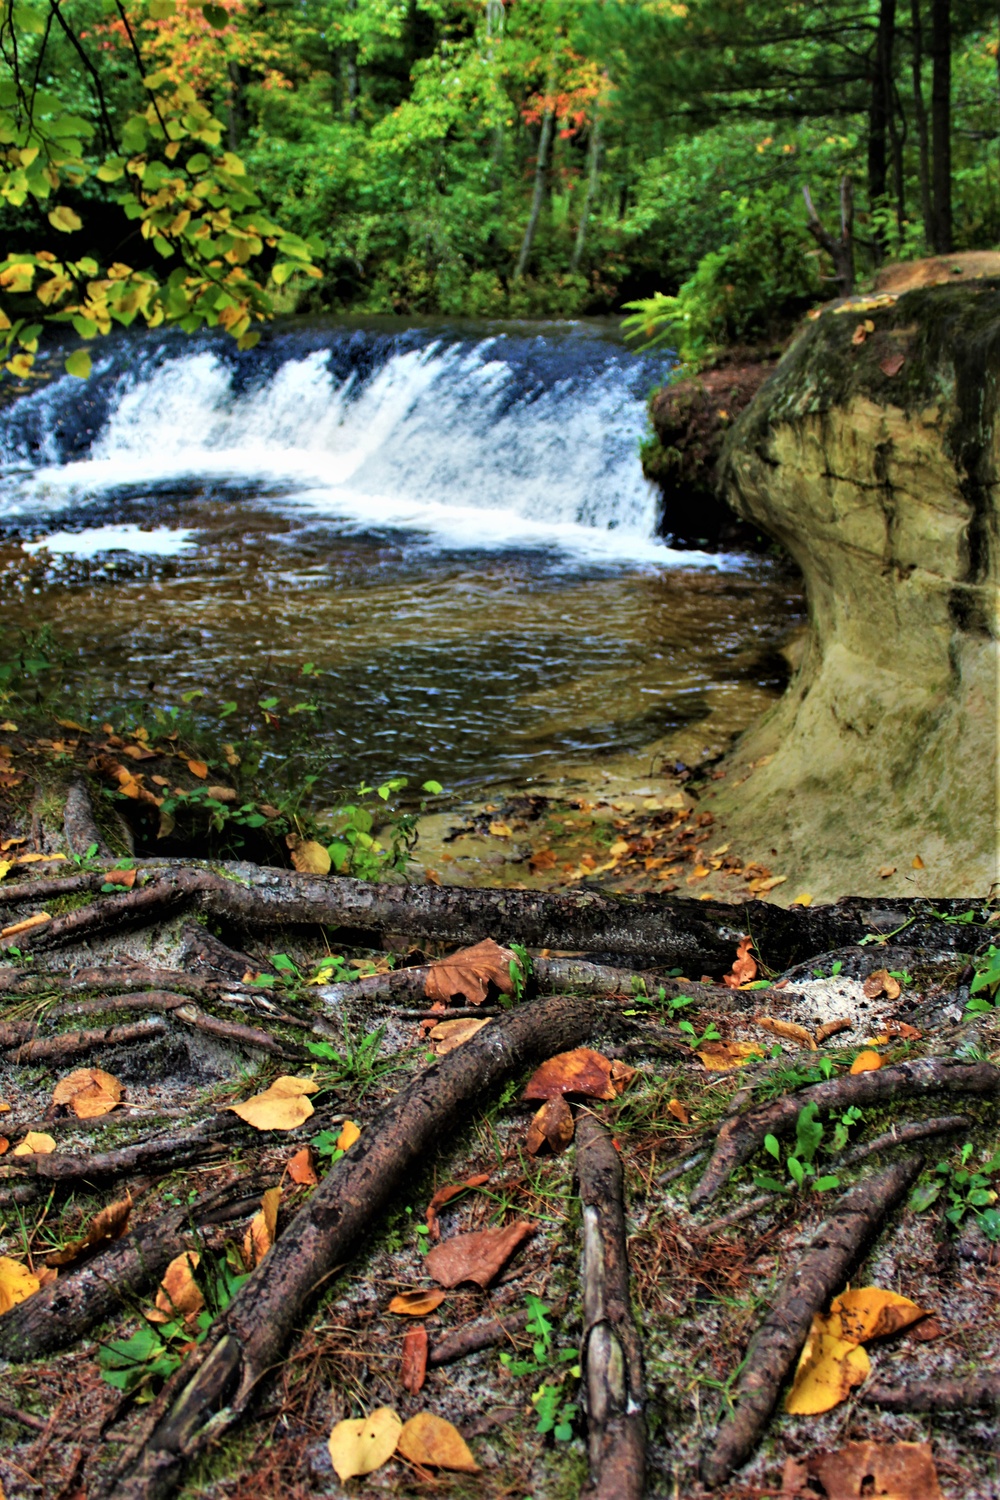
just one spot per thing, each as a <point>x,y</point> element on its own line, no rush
<point>879,110</point>
<point>538,197</point>
<point>920,111</point>
<point>840,249</point>
<point>593,171</point>
<point>941,124</point>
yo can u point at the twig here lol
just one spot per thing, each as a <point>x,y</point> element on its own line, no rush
<point>68,1043</point>
<point>740,1137</point>
<point>775,1346</point>
<point>26,1418</point>
<point>475,1336</point>
<point>611,1354</point>
<point>975,1392</point>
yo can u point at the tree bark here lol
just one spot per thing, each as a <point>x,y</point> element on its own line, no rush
<point>941,124</point>
<point>879,110</point>
<point>593,173</point>
<point>541,177</point>
<point>840,249</point>
<point>920,113</point>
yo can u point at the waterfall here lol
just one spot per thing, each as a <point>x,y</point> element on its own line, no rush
<point>509,439</point>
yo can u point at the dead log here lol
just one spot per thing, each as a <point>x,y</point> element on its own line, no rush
<point>210,1393</point>
<point>972,1393</point>
<point>80,1299</point>
<point>79,823</point>
<point>819,1275</point>
<point>611,1354</point>
<point>741,1136</point>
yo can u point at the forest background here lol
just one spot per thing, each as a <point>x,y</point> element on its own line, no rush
<point>426,157</point>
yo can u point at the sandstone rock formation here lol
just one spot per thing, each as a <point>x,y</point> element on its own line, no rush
<point>873,456</point>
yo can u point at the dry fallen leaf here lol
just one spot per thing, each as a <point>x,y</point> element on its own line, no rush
<point>833,1028</point>
<point>827,1370</point>
<point>17,1283</point>
<point>892,1471</point>
<point>179,1296</point>
<point>301,1169</point>
<point>885,871</point>
<point>787,1029</point>
<point>805,899</point>
<point>866,1062</point>
<point>475,1257</point>
<point>38,920</point>
<point>469,973</point>
<point>551,1126</point>
<point>413,1371</point>
<point>447,1035</point>
<point>110,1224</point>
<point>416,1304</point>
<point>262,1230</point>
<point>349,1133</point>
<point>679,1111</point>
<point>869,1312</point>
<point>35,1143</point>
<point>916,863</point>
<point>581,1071</point>
<point>542,859</point>
<point>4,1107</point>
<point>281,1107</point>
<point>881,982</point>
<point>719,1057</point>
<point>123,878</point>
<point>88,1092</point>
<point>363,1444</point>
<point>198,768</point>
<point>744,967</point>
<point>892,364</point>
<point>309,857</point>
<point>427,1439</point>
<point>4,1143</point>
<point>446,1194</point>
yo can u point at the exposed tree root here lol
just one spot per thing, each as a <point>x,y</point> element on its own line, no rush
<point>68,1308</point>
<point>741,1136</point>
<point>821,1272</point>
<point>473,1337</point>
<point>70,1043</point>
<point>612,1351</point>
<point>79,823</point>
<point>974,1393</point>
<point>214,1387</point>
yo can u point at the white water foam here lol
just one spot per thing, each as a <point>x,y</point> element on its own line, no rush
<point>154,541</point>
<point>433,442</point>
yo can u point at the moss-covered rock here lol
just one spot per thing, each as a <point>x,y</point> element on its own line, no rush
<point>873,456</point>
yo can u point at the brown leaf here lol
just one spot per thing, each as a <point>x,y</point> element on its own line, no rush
<point>882,983</point>
<point>581,1071</point>
<point>551,1126</point>
<point>859,335</point>
<point>110,1224</point>
<point>621,1075</point>
<point>124,878</point>
<point>179,1295</point>
<point>833,1028</point>
<point>222,793</point>
<point>477,1257</point>
<point>198,768</point>
<point>446,1194</point>
<point>426,1439</point>
<point>893,1471</point>
<point>413,1371</point>
<point>719,1057</point>
<point>88,1092</point>
<point>543,859</point>
<point>679,1111</point>
<point>416,1304</point>
<point>448,1035</point>
<point>744,967</point>
<point>788,1029</point>
<point>469,973</point>
<point>892,364</point>
<point>301,1169</point>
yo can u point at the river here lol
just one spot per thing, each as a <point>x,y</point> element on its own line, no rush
<point>450,524</point>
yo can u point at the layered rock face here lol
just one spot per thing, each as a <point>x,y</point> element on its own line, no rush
<point>873,456</point>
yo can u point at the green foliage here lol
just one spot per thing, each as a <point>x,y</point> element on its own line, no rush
<point>554,1411</point>
<point>800,1164</point>
<point>358,1063</point>
<point>964,1191</point>
<point>983,991</point>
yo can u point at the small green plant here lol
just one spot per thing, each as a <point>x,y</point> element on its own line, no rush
<point>965,1190</point>
<point>835,969</point>
<point>356,849</point>
<point>800,1164</point>
<point>357,1063</point>
<point>983,991</point>
<point>710,1034</point>
<point>555,1412</point>
<point>520,972</point>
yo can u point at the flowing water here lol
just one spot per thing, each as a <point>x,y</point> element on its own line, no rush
<point>452,525</point>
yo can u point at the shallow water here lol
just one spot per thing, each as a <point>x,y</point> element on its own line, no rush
<point>454,529</point>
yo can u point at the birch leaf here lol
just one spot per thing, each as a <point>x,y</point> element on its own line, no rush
<point>363,1444</point>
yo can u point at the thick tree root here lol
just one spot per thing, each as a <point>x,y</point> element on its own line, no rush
<point>68,1308</point>
<point>214,1387</point>
<point>168,1151</point>
<point>975,1393</point>
<point>611,1355</point>
<point>741,1136</point>
<point>775,1346</point>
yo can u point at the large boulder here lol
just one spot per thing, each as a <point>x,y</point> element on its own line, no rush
<point>872,454</point>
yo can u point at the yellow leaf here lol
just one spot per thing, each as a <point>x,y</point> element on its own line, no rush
<point>501,831</point>
<point>64,219</point>
<point>866,1062</point>
<point>363,1444</point>
<point>6,865</point>
<point>16,1283</point>
<point>281,1107</point>
<point>828,1369</point>
<point>310,858</point>
<point>447,1035</point>
<point>719,1057</point>
<point>917,863</point>
<point>179,1296</point>
<point>35,1143</point>
<point>869,1312</point>
<point>804,900</point>
<point>416,1304</point>
<point>69,724</point>
<point>427,1439</point>
<point>348,1135</point>
<point>263,1228</point>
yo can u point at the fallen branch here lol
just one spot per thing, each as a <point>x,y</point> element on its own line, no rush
<point>65,1310</point>
<point>69,1043</point>
<point>26,1418</point>
<point>475,1336</point>
<point>775,1346</point>
<point>741,1136</point>
<point>36,891</point>
<point>611,1354</point>
<point>209,1394</point>
<point>113,912</point>
<point>973,1393</point>
<point>169,1150</point>
<point>79,823</point>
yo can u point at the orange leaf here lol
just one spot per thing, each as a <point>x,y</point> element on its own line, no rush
<point>198,768</point>
<point>744,967</point>
<point>551,1126</point>
<point>581,1071</point>
<point>301,1169</point>
<point>866,1062</point>
<point>469,973</point>
<point>35,1143</point>
<point>679,1111</point>
<point>124,878</point>
<point>413,1372</point>
<point>869,1312</point>
<point>179,1295</point>
<point>88,1092</point>
<point>416,1304</point>
<point>426,1439</point>
<point>38,920</point>
<point>349,1133</point>
<point>110,1224</point>
<point>263,1229</point>
<point>788,1029</point>
<point>476,1257</point>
